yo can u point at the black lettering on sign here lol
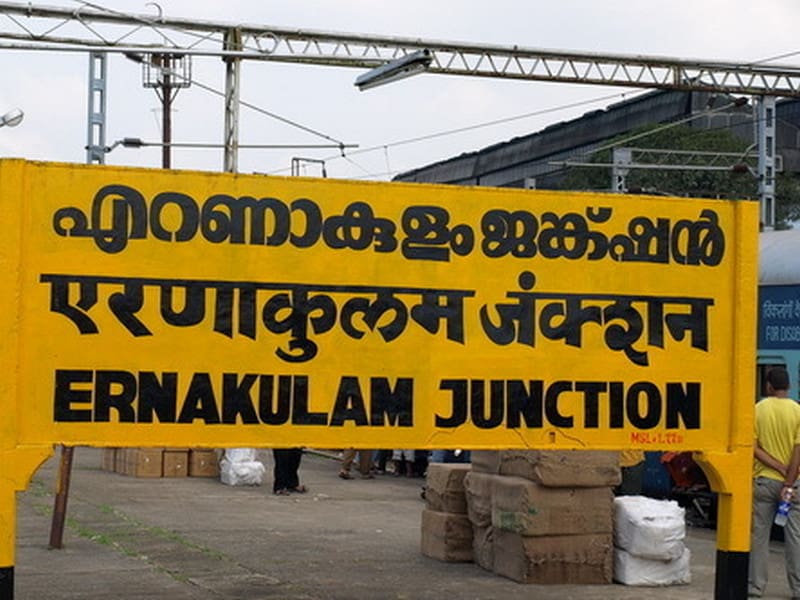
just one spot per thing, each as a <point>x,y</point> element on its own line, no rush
<point>536,404</point>
<point>458,413</point>
<point>120,214</point>
<point>274,407</point>
<point>349,403</point>
<point>487,413</point>
<point>623,321</point>
<point>237,401</point>
<point>591,401</point>
<point>525,401</point>
<point>394,405</point>
<point>200,402</point>
<point>385,404</point>
<point>117,390</point>
<point>157,395</point>
<point>683,405</point>
<point>552,410</point>
<point>300,413</point>
<point>105,396</point>
<point>300,310</point>
<point>67,399</point>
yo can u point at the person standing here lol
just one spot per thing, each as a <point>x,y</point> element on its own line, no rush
<point>364,463</point>
<point>775,471</point>
<point>285,473</point>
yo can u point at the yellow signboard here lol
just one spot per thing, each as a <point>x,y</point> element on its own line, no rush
<point>157,308</point>
<point>169,308</point>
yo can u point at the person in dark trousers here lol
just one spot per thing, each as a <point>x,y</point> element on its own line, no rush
<point>286,479</point>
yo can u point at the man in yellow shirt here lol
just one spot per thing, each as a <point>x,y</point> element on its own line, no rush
<point>775,470</point>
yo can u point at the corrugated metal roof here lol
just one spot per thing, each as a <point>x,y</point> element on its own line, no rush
<point>510,163</point>
<point>534,151</point>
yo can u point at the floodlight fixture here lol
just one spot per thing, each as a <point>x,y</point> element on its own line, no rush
<point>12,118</point>
<point>128,142</point>
<point>394,70</point>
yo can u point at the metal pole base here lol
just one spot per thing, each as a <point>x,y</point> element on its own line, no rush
<point>6,583</point>
<point>731,575</point>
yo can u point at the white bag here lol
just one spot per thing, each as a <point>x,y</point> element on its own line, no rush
<point>633,570</point>
<point>649,528</point>
<point>240,467</point>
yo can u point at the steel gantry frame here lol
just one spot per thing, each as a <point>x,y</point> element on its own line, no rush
<point>48,28</point>
<point>92,28</point>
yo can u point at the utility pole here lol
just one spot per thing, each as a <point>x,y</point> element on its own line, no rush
<point>166,74</point>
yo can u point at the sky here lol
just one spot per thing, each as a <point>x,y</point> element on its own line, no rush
<point>386,123</point>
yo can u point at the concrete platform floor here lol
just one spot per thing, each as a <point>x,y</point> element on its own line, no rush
<point>197,539</point>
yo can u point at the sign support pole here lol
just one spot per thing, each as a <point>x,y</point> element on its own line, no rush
<point>733,486</point>
<point>26,460</point>
<point>62,495</point>
<point>8,526</point>
<point>730,473</point>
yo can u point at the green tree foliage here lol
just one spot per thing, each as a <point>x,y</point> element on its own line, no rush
<point>787,199</point>
<point>739,184</point>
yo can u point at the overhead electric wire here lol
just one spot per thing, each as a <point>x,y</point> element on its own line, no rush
<point>671,124</point>
<point>773,58</point>
<point>457,130</point>
<point>601,148</point>
<point>340,144</point>
<point>538,113</point>
<point>273,115</point>
<point>157,27</point>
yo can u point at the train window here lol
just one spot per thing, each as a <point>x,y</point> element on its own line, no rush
<point>761,377</point>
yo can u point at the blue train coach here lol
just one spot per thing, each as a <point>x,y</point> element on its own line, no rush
<point>779,306</point>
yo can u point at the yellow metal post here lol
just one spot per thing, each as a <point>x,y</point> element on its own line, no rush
<point>24,462</point>
<point>729,476</point>
<point>8,522</point>
<point>730,473</point>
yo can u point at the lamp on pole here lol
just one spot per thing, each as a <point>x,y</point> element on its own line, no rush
<point>394,70</point>
<point>12,118</point>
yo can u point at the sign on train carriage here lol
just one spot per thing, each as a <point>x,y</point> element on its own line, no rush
<point>162,308</point>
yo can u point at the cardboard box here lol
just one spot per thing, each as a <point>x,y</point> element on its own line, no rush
<point>560,560</point>
<point>483,547</point>
<point>530,509</point>
<point>176,463</point>
<point>108,459</point>
<point>485,461</point>
<point>144,462</point>
<point>446,536</point>
<point>478,491</point>
<point>203,463</point>
<point>121,461</point>
<point>444,487</point>
<point>563,468</point>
